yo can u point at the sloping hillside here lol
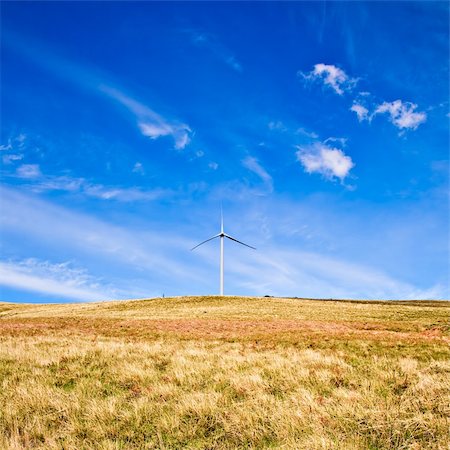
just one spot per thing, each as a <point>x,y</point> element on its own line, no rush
<point>225,372</point>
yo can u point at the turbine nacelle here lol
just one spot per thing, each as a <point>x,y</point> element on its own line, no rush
<point>222,235</point>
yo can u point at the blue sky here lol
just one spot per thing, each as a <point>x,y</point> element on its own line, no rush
<point>321,127</point>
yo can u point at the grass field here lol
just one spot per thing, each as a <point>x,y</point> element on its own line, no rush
<point>225,373</point>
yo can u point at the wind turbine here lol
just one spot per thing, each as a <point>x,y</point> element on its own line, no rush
<point>222,235</point>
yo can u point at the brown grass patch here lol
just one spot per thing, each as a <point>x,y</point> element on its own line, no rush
<point>212,373</point>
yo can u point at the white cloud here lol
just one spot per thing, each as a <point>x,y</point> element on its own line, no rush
<point>361,111</point>
<point>252,164</point>
<point>29,171</point>
<point>402,114</point>
<point>328,161</point>
<point>213,165</point>
<point>332,76</point>
<point>60,280</point>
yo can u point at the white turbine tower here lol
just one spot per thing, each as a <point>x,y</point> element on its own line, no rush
<point>222,235</point>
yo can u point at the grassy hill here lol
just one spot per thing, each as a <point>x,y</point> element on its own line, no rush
<point>225,373</point>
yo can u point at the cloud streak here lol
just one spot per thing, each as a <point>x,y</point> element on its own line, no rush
<point>57,280</point>
<point>76,233</point>
<point>39,182</point>
<point>254,166</point>
<point>150,123</point>
<point>13,149</point>
<point>29,171</point>
<point>282,271</point>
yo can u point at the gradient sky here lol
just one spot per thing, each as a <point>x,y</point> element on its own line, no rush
<point>321,127</point>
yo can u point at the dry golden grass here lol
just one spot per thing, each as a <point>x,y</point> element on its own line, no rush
<point>225,373</point>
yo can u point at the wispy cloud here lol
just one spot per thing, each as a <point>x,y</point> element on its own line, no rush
<point>61,280</point>
<point>39,182</point>
<point>328,161</point>
<point>149,252</point>
<point>332,76</point>
<point>150,123</point>
<point>210,42</point>
<point>10,158</point>
<point>282,271</point>
<point>6,147</point>
<point>309,134</point>
<point>253,165</point>
<point>123,194</point>
<point>277,125</point>
<point>339,140</point>
<point>29,171</point>
<point>13,149</point>
<point>138,168</point>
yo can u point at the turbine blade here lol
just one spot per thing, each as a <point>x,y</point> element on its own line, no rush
<point>239,242</point>
<point>201,243</point>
